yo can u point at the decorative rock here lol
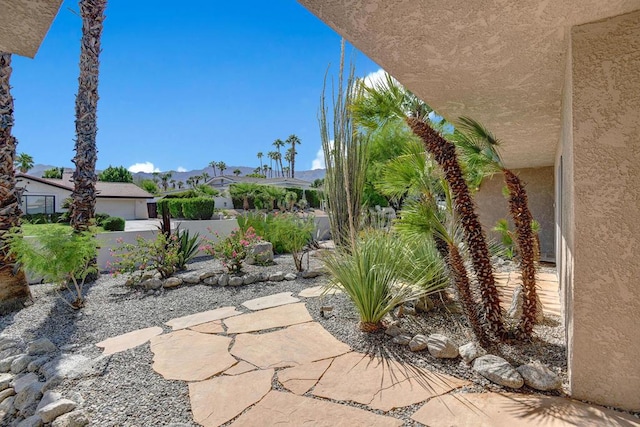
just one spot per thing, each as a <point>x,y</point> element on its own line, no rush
<point>172,282</point>
<point>540,377</point>
<point>442,347</point>
<point>278,276</point>
<point>191,279</point>
<point>5,364</point>
<point>260,253</point>
<point>515,309</point>
<point>402,339</point>
<point>54,409</point>
<point>235,281</point>
<point>424,304</point>
<point>249,279</point>
<point>147,275</point>
<point>394,330</point>
<point>408,310</point>
<point>20,363</point>
<point>41,346</point>
<point>27,399</point>
<point>262,276</point>
<point>6,406</point>
<point>207,274</point>
<point>48,397</point>
<point>37,363</point>
<point>151,284</point>
<point>290,277</point>
<point>223,280</point>
<point>211,280</point>
<point>6,393</point>
<point>8,342</point>
<point>24,381</point>
<point>71,419</point>
<point>470,351</point>
<point>5,380</point>
<point>418,343</point>
<point>71,366</point>
<point>11,351</point>
<point>32,421</point>
<point>498,370</point>
<point>310,274</point>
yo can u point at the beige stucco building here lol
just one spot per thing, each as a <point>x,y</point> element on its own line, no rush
<point>559,84</point>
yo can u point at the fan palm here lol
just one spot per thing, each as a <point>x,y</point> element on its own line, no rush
<point>480,147</point>
<point>278,143</point>
<point>387,100</point>
<point>293,140</point>
<point>23,162</point>
<point>14,289</point>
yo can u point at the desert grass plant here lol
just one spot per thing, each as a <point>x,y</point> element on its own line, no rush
<point>59,256</point>
<point>373,274</point>
<point>345,153</point>
<point>293,233</point>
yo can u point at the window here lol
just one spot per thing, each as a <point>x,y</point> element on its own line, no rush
<point>38,204</point>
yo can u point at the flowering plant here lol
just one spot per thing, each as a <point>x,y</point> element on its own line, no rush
<point>233,249</point>
<point>161,255</point>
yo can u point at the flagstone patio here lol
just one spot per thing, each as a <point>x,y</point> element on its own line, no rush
<point>239,368</point>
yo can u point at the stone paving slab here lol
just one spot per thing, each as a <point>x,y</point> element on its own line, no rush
<point>190,356</point>
<point>317,291</point>
<point>510,410</point>
<point>270,301</point>
<point>277,317</point>
<point>220,399</point>
<point>293,346</point>
<point>285,409</point>
<point>240,368</point>
<point>300,379</point>
<point>381,384</point>
<point>203,317</point>
<point>214,327</point>
<point>129,340</point>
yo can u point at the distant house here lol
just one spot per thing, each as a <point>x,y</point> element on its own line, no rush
<point>46,195</point>
<point>223,182</point>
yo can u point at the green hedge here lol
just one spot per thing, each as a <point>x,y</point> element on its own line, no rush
<point>198,208</point>
<point>175,208</point>
<point>113,223</point>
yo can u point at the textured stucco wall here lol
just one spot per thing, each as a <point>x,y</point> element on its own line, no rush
<point>492,205</point>
<point>605,327</point>
<point>24,23</point>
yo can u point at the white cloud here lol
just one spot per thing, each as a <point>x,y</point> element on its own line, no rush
<point>146,167</point>
<point>318,162</point>
<point>180,169</point>
<point>377,77</point>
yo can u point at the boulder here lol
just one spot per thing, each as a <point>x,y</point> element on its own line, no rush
<point>37,363</point>
<point>7,407</point>
<point>48,397</point>
<point>20,363</point>
<point>498,370</point>
<point>71,366</point>
<point>8,342</point>
<point>223,280</point>
<point>151,284</point>
<point>204,276</point>
<point>172,282</point>
<point>394,329</point>
<point>32,421</point>
<point>290,276</point>
<point>236,281</point>
<point>24,381</point>
<point>310,274</point>
<point>442,347</point>
<point>27,399</point>
<point>5,381</point>
<point>418,343</point>
<point>515,309</point>
<point>278,276</point>
<point>211,280</point>
<point>538,376</point>
<point>54,409</point>
<point>470,351</point>
<point>249,279</point>
<point>71,419</point>
<point>41,346</point>
<point>402,339</point>
<point>260,253</point>
<point>5,364</point>
<point>191,279</point>
<point>6,393</point>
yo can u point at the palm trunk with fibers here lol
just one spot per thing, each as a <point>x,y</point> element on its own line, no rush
<point>444,154</point>
<point>14,289</point>
<point>84,177</point>
<point>522,218</point>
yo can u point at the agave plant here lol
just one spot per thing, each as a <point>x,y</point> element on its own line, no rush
<point>188,247</point>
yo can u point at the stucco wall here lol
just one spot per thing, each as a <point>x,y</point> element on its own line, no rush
<point>492,205</point>
<point>124,208</point>
<point>35,188</point>
<point>601,189</point>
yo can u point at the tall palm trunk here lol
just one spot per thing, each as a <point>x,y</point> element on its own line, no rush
<point>522,218</point>
<point>14,289</point>
<point>84,177</point>
<point>444,154</point>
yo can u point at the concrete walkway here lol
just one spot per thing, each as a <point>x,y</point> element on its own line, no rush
<point>295,373</point>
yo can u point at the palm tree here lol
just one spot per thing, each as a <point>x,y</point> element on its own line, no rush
<point>278,158</point>
<point>190,182</point>
<point>84,177</point>
<point>213,165</point>
<point>279,143</point>
<point>156,178</point>
<point>222,166</point>
<point>271,156</point>
<point>388,99</point>
<point>23,162</point>
<point>165,180</point>
<point>244,191</point>
<point>260,155</point>
<point>480,147</point>
<point>205,177</point>
<point>265,169</point>
<point>288,156</point>
<point>180,184</point>
<point>14,289</point>
<point>293,140</point>
<point>237,172</point>
<point>173,183</point>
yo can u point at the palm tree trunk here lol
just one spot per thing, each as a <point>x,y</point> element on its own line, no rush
<point>444,154</point>
<point>14,289</point>
<point>84,177</point>
<point>519,210</point>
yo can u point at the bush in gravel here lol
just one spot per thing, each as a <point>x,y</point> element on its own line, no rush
<point>292,233</point>
<point>374,274</point>
<point>59,256</point>
<point>161,255</point>
<point>233,249</point>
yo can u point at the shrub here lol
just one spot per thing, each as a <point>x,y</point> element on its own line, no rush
<point>101,217</point>
<point>113,223</point>
<point>233,249</point>
<point>291,234</point>
<point>60,256</point>
<point>161,255</point>
<point>198,208</point>
<point>175,208</point>
<point>161,205</point>
<point>188,194</point>
<point>188,247</point>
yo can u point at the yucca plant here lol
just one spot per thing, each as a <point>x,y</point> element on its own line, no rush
<point>188,247</point>
<point>373,273</point>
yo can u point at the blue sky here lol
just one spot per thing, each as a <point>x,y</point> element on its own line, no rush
<point>182,83</point>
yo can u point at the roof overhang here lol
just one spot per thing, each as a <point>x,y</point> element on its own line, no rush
<point>24,23</point>
<point>500,62</point>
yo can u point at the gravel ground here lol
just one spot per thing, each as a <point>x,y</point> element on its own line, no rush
<point>130,393</point>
